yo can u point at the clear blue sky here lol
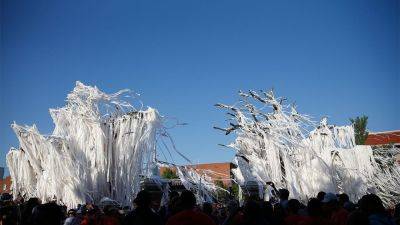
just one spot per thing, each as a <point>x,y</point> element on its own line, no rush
<point>334,58</point>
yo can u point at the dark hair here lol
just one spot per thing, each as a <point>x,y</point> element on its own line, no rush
<point>371,203</point>
<point>314,207</point>
<point>321,195</point>
<point>293,206</point>
<point>187,199</point>
<point>267,208</point>
<point>252,211</point>
<point>343,197</point>
<point>47,214</point>
<point>6,197</point>
<point>72,212</point>
<point>143,199</point>
<point>283,194</point>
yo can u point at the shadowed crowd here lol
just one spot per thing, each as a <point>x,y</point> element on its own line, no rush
<point>181,209</point>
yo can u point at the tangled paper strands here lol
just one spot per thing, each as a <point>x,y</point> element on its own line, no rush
<point>276,143</point>
<point>101,146</point>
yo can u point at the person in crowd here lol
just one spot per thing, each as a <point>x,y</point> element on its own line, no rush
<point>26,210</point>
<point>111,216</point>
<point>142,214</point>
<point>189,215</point>
<point>375,210</point>
<point>72,218</point>
<point>345,202</point>
<point>321,195</point>
<point>333,210</point>
<point>170,208</point>
<point>293,217</point>
<point>268,212</point>
<point>283,198</point>
<point>47,214</point>
<point>279,214</point>
<point>397,214</point>
<point>9,214</point>
<point>232,209</point>
<point>315,216</point>
<point>91,215</point>
<point>359,215</point>
<point>207,209</point>
<point>251,214</point>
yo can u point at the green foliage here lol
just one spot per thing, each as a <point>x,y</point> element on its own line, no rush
<point>169,174</point>
<point>220,184</point>
<point>222,195</point>
<point>235,190</point>
<point>360,129</point>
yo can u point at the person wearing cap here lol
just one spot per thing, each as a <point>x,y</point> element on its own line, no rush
<point>332,210</point>
<point>142,215</point>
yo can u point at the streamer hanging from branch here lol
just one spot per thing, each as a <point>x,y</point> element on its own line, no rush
<point>276,143</point>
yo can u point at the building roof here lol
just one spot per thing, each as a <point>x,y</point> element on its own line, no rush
<point>216,171</point>
<point>383,138</point>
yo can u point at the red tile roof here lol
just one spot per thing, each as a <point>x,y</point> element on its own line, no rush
<point>217,171</point>
<point>383,138</point>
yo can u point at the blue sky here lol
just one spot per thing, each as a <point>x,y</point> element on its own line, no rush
<point>335,58</point>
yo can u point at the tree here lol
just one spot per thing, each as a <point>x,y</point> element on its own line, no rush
<point>169,174</point>
<point>222,195</point>
<point>235,190</point>
<point>360,129</point>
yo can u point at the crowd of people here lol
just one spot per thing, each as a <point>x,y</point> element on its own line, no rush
<point>181,209</point>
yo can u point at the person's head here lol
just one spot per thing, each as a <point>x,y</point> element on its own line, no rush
<point>187,200</point>
<point>5,197</point>
<point>48,214</point>
<point>252,210</point>
<point>343,198</point>
<point>110,210</point>
<point>33,202</point>
<point>314,208</point>
<point>330,198</point>
<point>92,210</point>
<point>71,213</point>
<point>9,215</point>
<point>267,209</point>
<point>329,203</point>
<point>207,208</point>
<point>321,195</point>
<point>371,204</point>
<point>143,199</point>
<point>293,206</point>
<point>283,194</point>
